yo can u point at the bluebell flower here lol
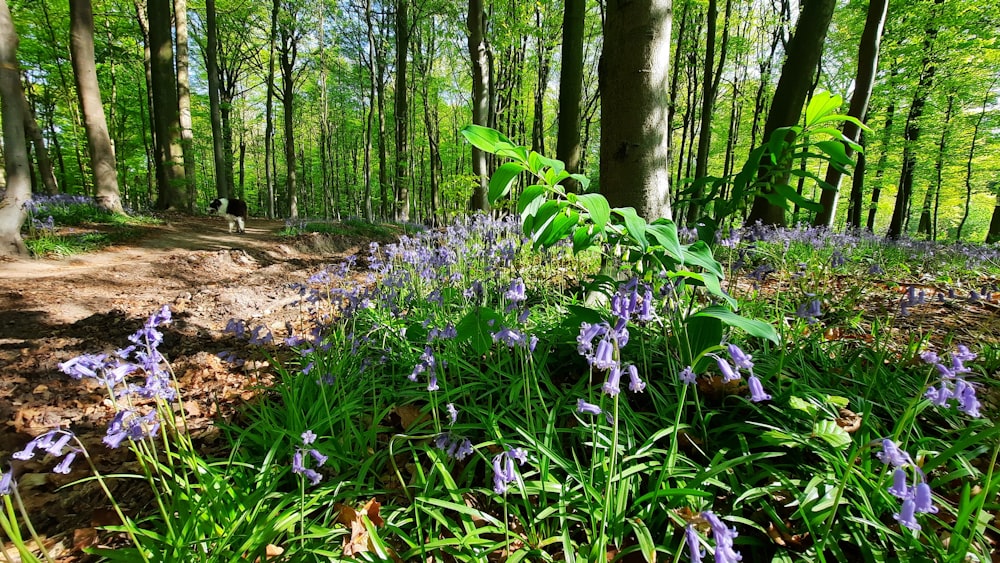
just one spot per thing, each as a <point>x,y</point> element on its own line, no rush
<point>899,487</point>
<point>740,358</point>
<point>687,376</point>
<point>693,543</point>
<point>504,470</point>
<point>635,384</point>
<point>516,292</point>
<point>905,515</point>
<point>583,407</point>
<point>922,500</point>
<point>127,424</point>
<point>7,482</point>
<point>308,437</point>
<point>892,455</point>
<point>724,552</point>
<point>728,373</point>
<point>757,393</point>
<point>452,413</point>
<point>298,458</point>
<point>63,466</point>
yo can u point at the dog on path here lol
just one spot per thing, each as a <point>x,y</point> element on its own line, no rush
<point>234,210</point>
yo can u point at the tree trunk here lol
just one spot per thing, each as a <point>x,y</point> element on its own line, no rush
<point>911,134</point>
<point>13,210</point>
<point>102,152</point>
<point>222,188</point>
<point>710,91</point>
<point>269,171</point>
<point>857,188</point>
<point>928,220</point>
<point>34,134</point>
<point>184,98</point>
<point>864,81</point>
<point>801,61</point>
<point>568,147</point>
<point>994,233</point>
<point>479,53</point>
<point>634,79</point>
<point>166,115</point>
<point>402,108</point>
<point>968,161</point>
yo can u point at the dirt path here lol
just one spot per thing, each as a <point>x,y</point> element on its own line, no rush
<point>54,310</point>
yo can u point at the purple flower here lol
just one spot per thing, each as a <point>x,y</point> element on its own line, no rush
<point>7,482</point>
<point>922,501</point>
<point>905,515</point>
<point>757,393</point>
<point>899,487</point>
<point>728,373</point>
<point>308,437</point>
<point>318,457</point>
<point>452,413</point>
<point>504,470</point>
<point>516,292</point>
<point>892,455</point>
<point>694,545</point>
<point>740,358</point>
<point>604,356</point>
<point>635,384</point>
<point>63,466</point>
<point>612,385</point>
<point>724,552</point>
<point>583,407</point>
<point>687,376</point>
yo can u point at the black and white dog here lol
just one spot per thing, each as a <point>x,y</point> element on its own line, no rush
<point>234,210</point>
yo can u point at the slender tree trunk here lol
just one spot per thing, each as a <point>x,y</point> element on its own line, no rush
<point>102,152</point>
<point>543,62</point>
<point>968,161</point>
<point>928,219</point>
<point>269,171</point>
<point>568,148</point>
<point>857,187</point>
<point>184,98</point>
<point>911,134</point>
<point>34,134</point>
<point>402,107</point>
<point>222,188</point>
<point>13,210</point>
<point>801,62</point>
<point>635,87</point>
<point>68,92</point>
<point>479,53</point>
<point>173,194</point>
<point>864,81</point>
<point>994,233</point>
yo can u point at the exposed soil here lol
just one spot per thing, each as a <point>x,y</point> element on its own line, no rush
<point>52,310</point>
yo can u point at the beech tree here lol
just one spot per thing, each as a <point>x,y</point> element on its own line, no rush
<point>635,82</point>
<point>166,115</point>
<point>102,152</point>
<point>479,54</point>
<point>13,208</point>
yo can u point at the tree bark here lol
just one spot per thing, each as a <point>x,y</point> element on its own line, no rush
<point>402,107</point>
<point>968,161</point>
<point>568,147</point>
<point>928,218</point>
<point>857,188</point>
<point>18,189</point>
<point>801,61</point>
<point>222,187</point>
<point>34,133</point>
<point>102,152</point>
<point>166,114</point>
<point>269,171</point>
<point>184,98</point>
<point>634,79</point>
<point>479,54</point>
<point>864,81</point>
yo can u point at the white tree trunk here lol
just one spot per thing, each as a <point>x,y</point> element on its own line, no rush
<point>18,192</point>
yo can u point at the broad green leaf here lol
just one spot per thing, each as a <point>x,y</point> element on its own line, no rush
<point>665,233</point>
<point>791,195</point>
<point>475,328</point>
<point>836,151</point>
<point>803,405</point>
<point>584,181</point>
<point>529,196</point>
<point>484,138</point>
<point>821,105</point>
<point>583,238</point>
<point>635,225</point>
<point>597,206</point>
<point>699,254</point>
<point>779,438</point>
<point>838,401</point>
<point>831,433</point>
<point>752,327</point>
<point>703,332</point>
<point>502,180</point>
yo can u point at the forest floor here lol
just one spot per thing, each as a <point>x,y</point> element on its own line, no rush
<point>52,310</point>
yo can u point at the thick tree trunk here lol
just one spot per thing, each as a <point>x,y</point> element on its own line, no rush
<point>269,171</point>
<point>402,107</point>
<point>802,59</point>
<point>102,152</point>
<point>222,188</point>
<point>166,114</point>
<point>568,148</point>
<point>635,80</point>
<point>479,54</point>
<point>184,98</point>
<point>288,54</point>
<point>994,233</point>
<point>864,81</point>
<point>16,167</point>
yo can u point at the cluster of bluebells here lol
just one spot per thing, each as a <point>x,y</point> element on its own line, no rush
<point>953,388</point>
<point>916,498</point>
<point>504,470</point>
<point>724,536</point>
<point>454,446</point>
<point>810,311</point>
<point>47,225</point>
<point>733,372</point>
<point>516,295</point>
<point>55,443</point>
<point>299,459</point>
<point>112,372</point>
